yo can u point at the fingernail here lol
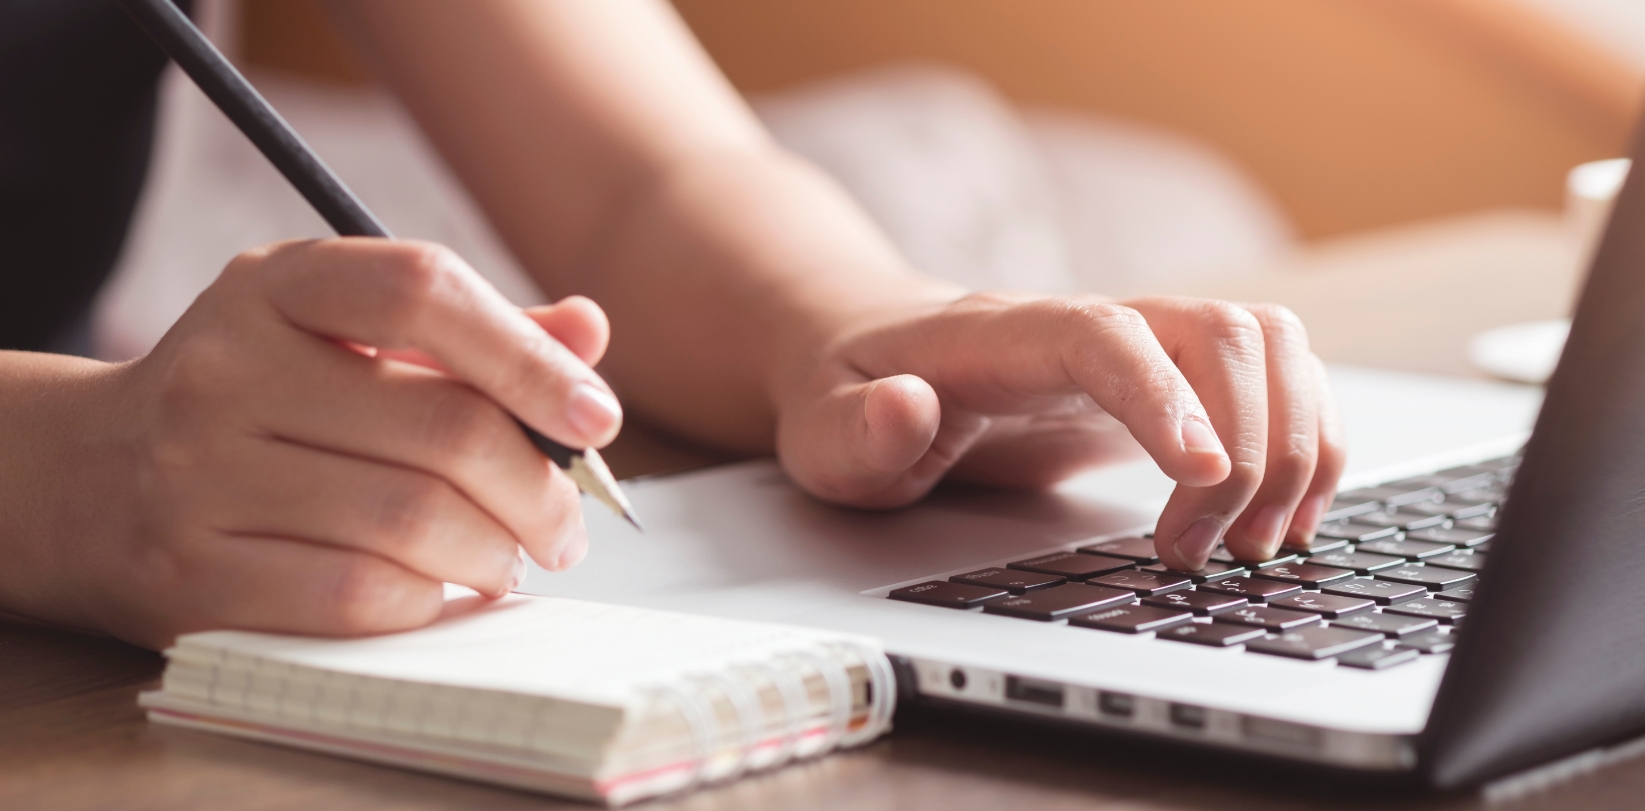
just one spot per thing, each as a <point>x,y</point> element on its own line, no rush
<point>1197,437</point>
<point>572,556</point>
<point>575,550</point>
<point>1265,529</point>
<point>591,411</point>
<point>1306,521</point>
<point>1195,543</point>
<point>519,570</point>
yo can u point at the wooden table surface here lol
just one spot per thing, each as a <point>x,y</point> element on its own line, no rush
<point>72,737</point>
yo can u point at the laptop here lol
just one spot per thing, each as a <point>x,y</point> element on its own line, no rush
<point>1474,607</point>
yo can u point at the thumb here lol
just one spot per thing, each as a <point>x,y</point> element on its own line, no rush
<point>867,444</point>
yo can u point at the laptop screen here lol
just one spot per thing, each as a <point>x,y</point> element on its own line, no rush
<point>1551,660</point>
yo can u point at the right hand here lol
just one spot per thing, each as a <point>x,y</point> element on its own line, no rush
<point>278,471</point>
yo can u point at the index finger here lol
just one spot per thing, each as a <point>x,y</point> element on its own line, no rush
<point>406,295</point>
<point>995,354</point>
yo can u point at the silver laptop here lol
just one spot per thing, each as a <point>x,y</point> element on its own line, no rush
<point>1468,610</point>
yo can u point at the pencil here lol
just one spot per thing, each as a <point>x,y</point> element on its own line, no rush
<point>177,35</point>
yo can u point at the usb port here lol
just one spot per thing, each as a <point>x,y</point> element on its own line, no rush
<point>1188,716</point>
<point>1118,705</point>
<point>1033,691</point>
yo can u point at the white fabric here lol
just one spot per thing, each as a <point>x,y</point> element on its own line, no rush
<point>978,192</point>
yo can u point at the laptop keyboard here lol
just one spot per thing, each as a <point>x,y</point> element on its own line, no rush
<point>1387,580</point>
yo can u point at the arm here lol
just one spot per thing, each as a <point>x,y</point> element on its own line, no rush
<point>755,307</point>
<point>618,163</point>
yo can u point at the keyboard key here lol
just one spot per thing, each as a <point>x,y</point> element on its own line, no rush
<point>1313,643</point>
<point>1145,584</point>
<point>1466,561</point>
<point>1438,508</point>
<point>1411,550</point>
<point>1468,508</point>
<point>1496,493</point>
<point>1344,507</point>
<point>1469,477</point>
<point>1383,592</point>
<point>1400,519</point>
<point>1261,616</point>
<point>947,595</point>
<point>1360,562</point>
<point>1484,523</point>
<point>1257,591</point>
<point>1203,603</point>
<point>1307,575</point>
<point>1389,624</point>
<point>1393,496</point>
<point>1325,605</point>
<point>1132,619</point>
<point>1009,579</point>
<point>1435,641</point>
<point>1377,657</point>
<point>1460,594</point>
<point>1357,533</point>
<point>1455,507</point>
<point>1440,609</point>
<point>1140,550</point>
<point>1055,603</point>
<point>1432,578</point>
<point>1458,535</point>
<point>1072,565</point>
<point>1320,545</point>
<point>1212,571</point>
<point>1214,634</point>
<point>1222,555</point>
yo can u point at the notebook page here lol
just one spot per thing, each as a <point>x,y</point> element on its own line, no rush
<point>572,650</point>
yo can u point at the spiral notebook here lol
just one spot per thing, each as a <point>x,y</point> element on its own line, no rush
<point>606,703</point>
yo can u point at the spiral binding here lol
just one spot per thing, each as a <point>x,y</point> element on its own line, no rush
<point>749,716</point>
<point>704,728</point>
<point>838,680</point>
<point>792,689</point>
<point>830,662</point>
<point>882,681</point>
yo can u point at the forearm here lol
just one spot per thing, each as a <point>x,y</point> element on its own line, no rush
<point>727,279</point>
<point>51,427</point>
<point>616,162</point>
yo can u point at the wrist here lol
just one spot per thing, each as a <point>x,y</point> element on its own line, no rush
<point>727,280</point>
<point>838,277</point>
<point>60,492</point>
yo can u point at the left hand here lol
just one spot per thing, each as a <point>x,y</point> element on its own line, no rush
<point>1024,391</point>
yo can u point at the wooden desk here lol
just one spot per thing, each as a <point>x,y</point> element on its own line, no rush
<point>71,736</point>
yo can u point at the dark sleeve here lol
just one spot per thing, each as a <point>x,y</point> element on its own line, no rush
<point>77,98</point>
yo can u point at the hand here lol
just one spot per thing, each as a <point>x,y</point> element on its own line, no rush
<point>1024,391</point>
<point>326,436</point>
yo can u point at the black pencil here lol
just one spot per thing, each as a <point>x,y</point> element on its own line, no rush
<point>217,78</point>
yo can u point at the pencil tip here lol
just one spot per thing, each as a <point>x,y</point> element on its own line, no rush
<point>588,470</point>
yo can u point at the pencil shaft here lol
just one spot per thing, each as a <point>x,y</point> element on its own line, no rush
<point>249,111</point>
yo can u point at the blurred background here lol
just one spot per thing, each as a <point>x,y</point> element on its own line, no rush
<point>1394,170</point>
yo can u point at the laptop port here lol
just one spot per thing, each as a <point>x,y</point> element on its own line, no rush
<point>1188,716</point>
<point>1118,705</point>
<point>1281,732</point>
<point>956,677</point>
<point>1033,691</point>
